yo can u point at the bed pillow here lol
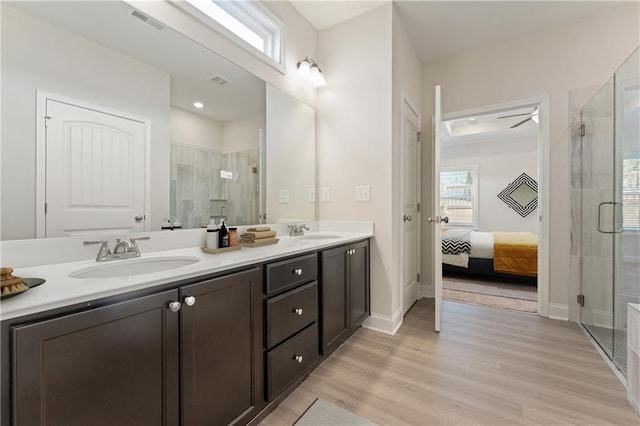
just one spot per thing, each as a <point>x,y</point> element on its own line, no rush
<point>456,241</point>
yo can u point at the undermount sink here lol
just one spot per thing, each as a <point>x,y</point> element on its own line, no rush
<point>127,268</point>
<point>319,237</point>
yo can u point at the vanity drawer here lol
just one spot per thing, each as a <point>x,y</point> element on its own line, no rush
<point>290,360</point>
<point>291,272</point>
<point>290,312</point>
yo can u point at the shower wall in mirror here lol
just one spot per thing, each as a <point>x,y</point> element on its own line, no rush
<point>213,185</point>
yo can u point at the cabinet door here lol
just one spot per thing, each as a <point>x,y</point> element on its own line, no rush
<point>335,323</point>
<point>358,278</point>
<point>222,350</point>
<point>115,365</point>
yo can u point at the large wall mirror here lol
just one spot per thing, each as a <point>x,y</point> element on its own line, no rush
<point>99,124</point>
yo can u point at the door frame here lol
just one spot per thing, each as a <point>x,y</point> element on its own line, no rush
<point>41,153</point>
<point>544,187</point>
<point>408,106</point>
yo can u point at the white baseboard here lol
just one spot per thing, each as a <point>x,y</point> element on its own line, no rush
<point>558,311</point>
<point>383,323</point>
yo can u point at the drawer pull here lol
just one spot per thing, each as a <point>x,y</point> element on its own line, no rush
<point>190,300</point>
<point>297,272</point>
<point>298,358</point>
<point>297,311</point>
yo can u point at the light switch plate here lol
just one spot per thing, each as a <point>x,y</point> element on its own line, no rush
<point>312,195</point>
<point>363,193</point>
<point>326,195</point>
<point>283,196</point>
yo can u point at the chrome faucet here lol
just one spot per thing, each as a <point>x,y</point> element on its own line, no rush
<point>124,249</point>
<point>296,230</point>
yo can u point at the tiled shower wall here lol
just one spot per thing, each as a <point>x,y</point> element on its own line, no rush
<point>198,192</point>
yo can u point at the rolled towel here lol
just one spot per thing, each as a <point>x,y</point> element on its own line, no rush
<point>258,235</point>
<point>259,229</point>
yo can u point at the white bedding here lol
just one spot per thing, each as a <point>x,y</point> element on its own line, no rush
<point>481,248</point>
<point>481,245</point>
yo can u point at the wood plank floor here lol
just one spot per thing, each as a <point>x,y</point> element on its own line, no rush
<point>486,367</point>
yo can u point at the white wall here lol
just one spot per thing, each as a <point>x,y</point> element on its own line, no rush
<point>499,162</point>
<point>38,56</point>
<point>291,147</point>
<point>407,86</point>
<point>355,134</point>
<point>197,130</point>
<point>583,52</point>
<point>243,133</point>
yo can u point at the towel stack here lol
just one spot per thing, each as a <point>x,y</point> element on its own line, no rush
<point>10,284</point>
<point>258,236</point>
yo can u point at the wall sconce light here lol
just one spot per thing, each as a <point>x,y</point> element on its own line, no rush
<point>309,70</point>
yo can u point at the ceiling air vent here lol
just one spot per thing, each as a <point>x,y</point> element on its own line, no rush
<point>147,20</point>
<point>220,80</point>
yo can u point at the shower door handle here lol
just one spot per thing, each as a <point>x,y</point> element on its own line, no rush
<point>598,216</point>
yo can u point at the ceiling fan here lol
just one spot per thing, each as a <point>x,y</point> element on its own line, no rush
<point>531,116</point>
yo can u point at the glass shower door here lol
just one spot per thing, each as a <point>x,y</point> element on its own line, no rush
<point>626,181</point>
<point>597,214</point>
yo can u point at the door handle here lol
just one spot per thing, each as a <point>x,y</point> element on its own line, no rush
<point>598,216</point>
<point>438,219</point>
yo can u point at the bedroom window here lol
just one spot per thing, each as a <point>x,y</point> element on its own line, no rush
<point>458,195</point>
<point>631,193</point>
<point>245,22</point>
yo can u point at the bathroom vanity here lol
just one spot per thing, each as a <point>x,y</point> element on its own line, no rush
<point>220,341</point>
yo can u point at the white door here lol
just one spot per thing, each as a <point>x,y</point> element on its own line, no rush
<point>95,172</point>
<point>435,220</point>
<point>410,207</point>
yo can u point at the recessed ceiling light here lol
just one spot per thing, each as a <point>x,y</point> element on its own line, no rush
<point>198,105</point>
<point>472,120</point>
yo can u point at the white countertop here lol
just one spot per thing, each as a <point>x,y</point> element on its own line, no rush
<point>60,290</point>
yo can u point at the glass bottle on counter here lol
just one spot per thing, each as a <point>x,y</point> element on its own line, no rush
<point>233,237</point>
<point>223,236</point>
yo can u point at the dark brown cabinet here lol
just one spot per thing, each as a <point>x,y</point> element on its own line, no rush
<point>115,365</point>
<point>190,356</point>
<point>345,293</point>
<point>221,350</point>
<point>291,329</point>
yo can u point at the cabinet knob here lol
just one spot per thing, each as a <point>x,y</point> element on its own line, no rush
<point>297,311</point>
<point>350,252</point>
<point>190,300</point>
<point>297,271</point>
<point>298,358</point>
<point>175,306</point>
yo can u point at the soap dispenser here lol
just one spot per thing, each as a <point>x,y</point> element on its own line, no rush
<point>223,237</point>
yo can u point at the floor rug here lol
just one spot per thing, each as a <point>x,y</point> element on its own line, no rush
<point>490,301</point>
<point>490,287</point>
<point>323,413</point>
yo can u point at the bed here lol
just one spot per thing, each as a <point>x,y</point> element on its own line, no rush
<point>512,255</point>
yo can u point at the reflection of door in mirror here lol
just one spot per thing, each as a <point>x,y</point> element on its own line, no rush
<point>95,174</point>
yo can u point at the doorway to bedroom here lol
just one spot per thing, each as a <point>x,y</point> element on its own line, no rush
<point>489,176</point>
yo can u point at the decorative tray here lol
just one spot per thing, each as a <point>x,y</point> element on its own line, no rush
<point>220,250</point>
<point>29,282</point>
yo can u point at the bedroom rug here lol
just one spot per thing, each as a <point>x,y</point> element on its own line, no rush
<point>490,293</point>
<point>321,413</point>
<point>490,301</point>
<point>490,287</point>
